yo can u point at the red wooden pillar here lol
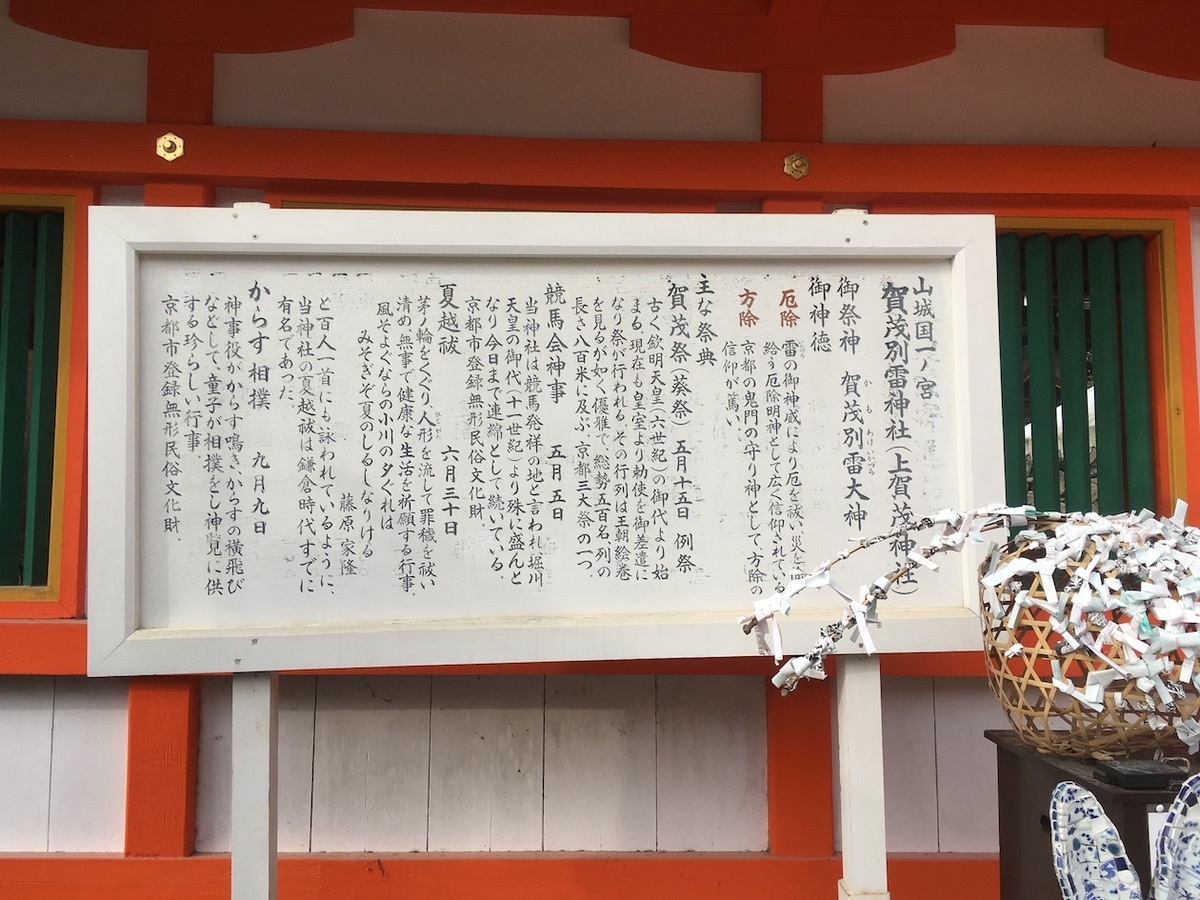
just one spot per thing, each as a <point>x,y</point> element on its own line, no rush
<point>164,712</point>
<point>160,798</point>
<point>793,105</point>
<point>800,770</point>
<point>179,84</point>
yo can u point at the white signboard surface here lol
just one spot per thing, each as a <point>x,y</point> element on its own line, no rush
<point>336,439</point>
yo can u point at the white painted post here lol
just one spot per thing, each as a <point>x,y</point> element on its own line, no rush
<point>255,797</point>
<point>860,758</point>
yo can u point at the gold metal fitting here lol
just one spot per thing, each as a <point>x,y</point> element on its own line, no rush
<point>795,165</point>
<point>170,146</point>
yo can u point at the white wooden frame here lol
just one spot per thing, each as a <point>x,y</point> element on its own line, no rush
<point>119,237</point>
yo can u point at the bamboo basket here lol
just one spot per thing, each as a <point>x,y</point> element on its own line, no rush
<point>1023,648</point>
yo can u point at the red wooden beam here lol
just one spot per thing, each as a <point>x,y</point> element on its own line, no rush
<point>838,37</point>
<point>368,162</point>
<point>1163,49</point>
<point>1187,401</point>
<point>223,26</point>
<point>501,877</point>
<point>792,34</point>
<point>73,414</point>
<point>270,26</point>
<point>43,647</point>
<point>1061,13</point>
<point>963,664</point>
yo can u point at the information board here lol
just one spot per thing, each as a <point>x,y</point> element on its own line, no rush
<point>336,439</point>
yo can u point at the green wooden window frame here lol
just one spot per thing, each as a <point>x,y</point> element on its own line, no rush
<point>31,268</point>
<point>1072,316</point>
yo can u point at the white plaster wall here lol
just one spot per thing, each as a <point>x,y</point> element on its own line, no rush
<point>591,763</point>
<point>459,73</point>
<point>46,77</point>
<point>63,748</point>
<point>585,763</point>
<point>504,763</point>
<point>1008,85</point>
<point>939,770</point>
<point>963,708</point>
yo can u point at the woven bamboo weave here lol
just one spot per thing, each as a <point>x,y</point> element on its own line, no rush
<point>1054,720</point>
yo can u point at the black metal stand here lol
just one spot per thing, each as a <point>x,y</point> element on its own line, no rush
<point>1025,779</point>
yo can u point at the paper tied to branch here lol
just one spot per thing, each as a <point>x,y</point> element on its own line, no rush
<point>1129,581</point>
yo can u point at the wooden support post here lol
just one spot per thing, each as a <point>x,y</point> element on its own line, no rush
<point>253,857</point>
<point>860,760</point>
<point>799,768</point>
<point>164,739</point>
<point>793,104</point>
